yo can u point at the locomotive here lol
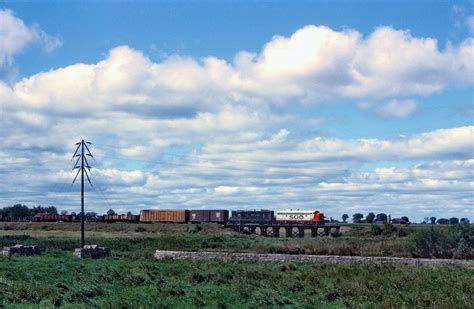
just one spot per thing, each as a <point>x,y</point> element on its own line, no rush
<point>270,216</point>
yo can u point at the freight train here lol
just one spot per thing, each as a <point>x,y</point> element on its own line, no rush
<point>191,216</point>
<point>237,217</point>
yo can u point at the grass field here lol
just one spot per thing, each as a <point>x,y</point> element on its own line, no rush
<point>359,240</point>
<point>132,279</point>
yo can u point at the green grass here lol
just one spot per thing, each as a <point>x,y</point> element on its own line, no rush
<point>132,279</point>
<point>363,240</point>
<point>58,279</point>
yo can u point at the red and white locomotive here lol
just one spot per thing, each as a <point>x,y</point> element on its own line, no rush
<point>299,216</point>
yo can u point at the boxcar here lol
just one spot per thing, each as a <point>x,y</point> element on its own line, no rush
<point>52,217</point>
<point>251,216</point>
<point>155,215</point>
<point>120,218</point>
<point>219,216</point>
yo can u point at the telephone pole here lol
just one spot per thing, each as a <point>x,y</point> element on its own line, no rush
<point>82,151</point>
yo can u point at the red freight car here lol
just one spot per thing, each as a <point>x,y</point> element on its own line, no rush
<point>52,218</point>
<point>120,218</point>
<point>219,216</point>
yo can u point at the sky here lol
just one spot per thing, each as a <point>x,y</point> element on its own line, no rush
<point>336,106</point>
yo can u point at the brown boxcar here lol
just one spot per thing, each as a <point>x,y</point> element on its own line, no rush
<point>155,215</point>
<point>219,216</point>
<point>199,215</point>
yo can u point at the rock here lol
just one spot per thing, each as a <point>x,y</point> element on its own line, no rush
<point>21,250</point>
<point>93,252</point>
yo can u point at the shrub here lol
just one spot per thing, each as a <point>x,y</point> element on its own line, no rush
<point>432,244</point>
<point>335,233</point>
<point>463,250</point>
<point>389,229</point>
<point>402,233</point>
<point>140,229</point>
<point>375,230</point>
<point>197,228</point>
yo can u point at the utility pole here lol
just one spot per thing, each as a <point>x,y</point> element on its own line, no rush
<point>82,169</point>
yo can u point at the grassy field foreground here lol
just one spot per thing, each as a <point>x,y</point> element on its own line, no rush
<point>58,279</point>
<point>132,279</point>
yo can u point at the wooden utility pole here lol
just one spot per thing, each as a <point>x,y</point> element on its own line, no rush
<point>82,145</point>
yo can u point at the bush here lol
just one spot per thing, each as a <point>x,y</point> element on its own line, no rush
<point>197,228</point>
<point>335,233</point>
<point>458,242</point>
<point>375,230</point>
<point>402,233</point>
<point>140,229</point>
<point>463,250</point>
<point>431,244</point>
<point>389,229</point>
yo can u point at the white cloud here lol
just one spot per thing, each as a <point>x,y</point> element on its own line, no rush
<point>15,36</point>
<point>316,64</point>
<point>392,109</point>
<point>208,133</point>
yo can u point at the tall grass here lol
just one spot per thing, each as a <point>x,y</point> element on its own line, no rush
<point>61,280</point>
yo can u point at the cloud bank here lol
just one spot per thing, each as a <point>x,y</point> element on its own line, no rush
<point>197,133</point>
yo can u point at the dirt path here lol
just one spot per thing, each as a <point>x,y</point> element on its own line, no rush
<point>347,260</point>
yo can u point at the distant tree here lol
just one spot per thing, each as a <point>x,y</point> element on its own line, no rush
<point>129,213</point>
<point>453,220</point>
<point>405,218</point>
<point>17,210</point>
<point>111,212</point>
<point>345,217</point>
<point>442,221</point>
<point>73,214</point>
<point>357,217</point>
<point>381,217</point>
<point>42,210</point>
<point>433,220</point>
<point>64,212</point>
<point>370,217</point>
<point>464,221</point>
<point>91,214</point>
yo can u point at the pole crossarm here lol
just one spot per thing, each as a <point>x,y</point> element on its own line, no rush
<point>82,166</point>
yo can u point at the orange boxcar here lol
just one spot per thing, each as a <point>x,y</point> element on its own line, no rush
<point>155,215</point>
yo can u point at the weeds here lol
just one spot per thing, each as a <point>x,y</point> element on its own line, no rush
<point>457,242</point>
<point>150,283</point>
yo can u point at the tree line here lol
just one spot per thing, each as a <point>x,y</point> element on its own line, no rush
<point>383,218</point>
<point>19,210</point>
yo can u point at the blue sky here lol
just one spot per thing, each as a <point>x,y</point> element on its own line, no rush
<point>335,105</point>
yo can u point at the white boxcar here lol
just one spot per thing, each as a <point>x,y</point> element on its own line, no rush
<point>295,215</point>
